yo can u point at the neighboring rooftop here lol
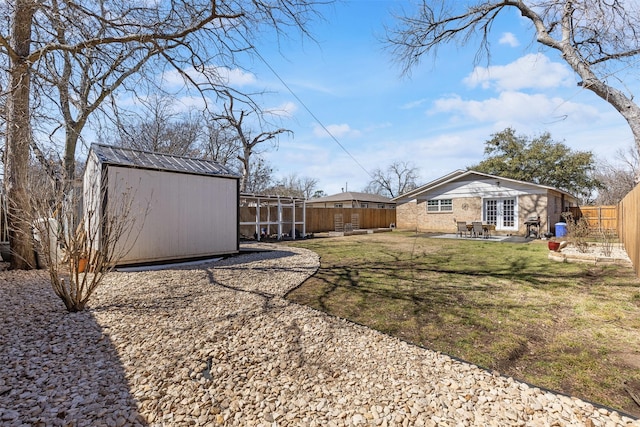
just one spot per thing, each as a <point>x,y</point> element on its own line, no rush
<point>158,161</point>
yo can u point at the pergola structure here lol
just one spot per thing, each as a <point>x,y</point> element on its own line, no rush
<point>273,215</point>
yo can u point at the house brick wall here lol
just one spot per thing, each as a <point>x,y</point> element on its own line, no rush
<point>468,210</point>
<point>531,206</point>
<point>407,215</point>
<point>464,209</point>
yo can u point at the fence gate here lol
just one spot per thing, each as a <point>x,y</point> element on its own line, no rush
<point>355,221</point>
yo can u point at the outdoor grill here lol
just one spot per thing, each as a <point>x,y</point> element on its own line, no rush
<point>533,227</point>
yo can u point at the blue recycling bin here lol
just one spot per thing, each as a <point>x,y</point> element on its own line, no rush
<point>561,229</point>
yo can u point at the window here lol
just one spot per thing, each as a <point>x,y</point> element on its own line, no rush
<point>442,205</point>
<point>364,205</point>
<point>381,206</point>
<point>337,205</point>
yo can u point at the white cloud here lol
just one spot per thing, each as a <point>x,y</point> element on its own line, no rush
<point>413,104</point>
<point>338,131</point>
<point>220,75</point>
<point>534,71</point>
<point>509,39</point>
<point>236,77</point>
<point>516,107</point>
<point>284,110</point>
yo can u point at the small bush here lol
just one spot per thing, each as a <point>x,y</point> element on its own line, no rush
<point>577,232</point>
<point>608,237</point>
<point>80,248</point>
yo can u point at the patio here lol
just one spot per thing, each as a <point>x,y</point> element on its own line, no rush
<point>492,238</point>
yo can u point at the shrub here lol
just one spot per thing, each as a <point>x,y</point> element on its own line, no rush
<point>577,231</point>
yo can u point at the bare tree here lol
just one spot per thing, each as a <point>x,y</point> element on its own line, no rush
<point>308,186</point>
<point>234,119</point>
<point>260,179</point>
<point>295,186</point>
<point>397,179</point>
<point>592,36</point>
<point>617,179</point>
<point>84,51</point>
<point>219,144</point>
<point>630,159</point>
<point>162,130</point>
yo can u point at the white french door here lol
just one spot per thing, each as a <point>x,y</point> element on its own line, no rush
<point>501,213</point>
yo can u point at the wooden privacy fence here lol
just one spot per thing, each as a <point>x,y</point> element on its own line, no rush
<point>599,218</point>
<point>317,220</point>
<point>328,219</point>
<point>629,226</point>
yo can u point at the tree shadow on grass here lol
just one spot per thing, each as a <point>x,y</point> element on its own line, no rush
<point>498,310</point>
<point>56,368</point>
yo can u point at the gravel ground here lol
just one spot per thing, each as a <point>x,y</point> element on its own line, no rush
<point>593,253</point>
<point>216,344</point>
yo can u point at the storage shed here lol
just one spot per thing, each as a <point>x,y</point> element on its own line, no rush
<point>182,208</point>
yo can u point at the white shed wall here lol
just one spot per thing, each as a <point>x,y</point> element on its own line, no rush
<point>177,215</point>
<point>92,198</point>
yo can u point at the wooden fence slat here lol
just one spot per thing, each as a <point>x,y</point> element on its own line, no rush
<point>599,218</point>
<point>628,226</point>
<point>322,219</point>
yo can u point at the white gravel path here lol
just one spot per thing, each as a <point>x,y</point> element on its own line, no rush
<point>217,344</point>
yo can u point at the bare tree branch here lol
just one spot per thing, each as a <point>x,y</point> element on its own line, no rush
<point>235,119</point>
<point>87,50</point>
<point>399,178</point>
<point>590,35</point>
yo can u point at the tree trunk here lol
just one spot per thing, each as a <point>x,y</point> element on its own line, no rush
<point>72,135</point>
<point>18,137</point>
<point>245,169</point>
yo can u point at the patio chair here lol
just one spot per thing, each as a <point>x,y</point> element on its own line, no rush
<point>462,229</point>
<point>477,228</point>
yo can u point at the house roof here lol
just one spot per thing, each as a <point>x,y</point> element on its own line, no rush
<point>129,157</point>
<point>460,174</point>
<point>352,196</point>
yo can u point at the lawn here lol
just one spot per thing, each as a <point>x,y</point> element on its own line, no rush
<point>571,328</point>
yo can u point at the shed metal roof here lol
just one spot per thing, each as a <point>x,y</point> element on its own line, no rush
<point>129,157</point>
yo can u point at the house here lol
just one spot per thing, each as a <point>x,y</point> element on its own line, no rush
<point>352,199</point>
<point>180,207</point>
<point>474,196</point>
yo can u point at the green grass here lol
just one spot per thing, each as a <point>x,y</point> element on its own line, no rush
<point>504,306</point>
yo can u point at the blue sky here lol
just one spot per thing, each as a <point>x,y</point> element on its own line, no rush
<point>438,118</point>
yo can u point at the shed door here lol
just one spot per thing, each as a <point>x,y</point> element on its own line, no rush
<point>501,213</point>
